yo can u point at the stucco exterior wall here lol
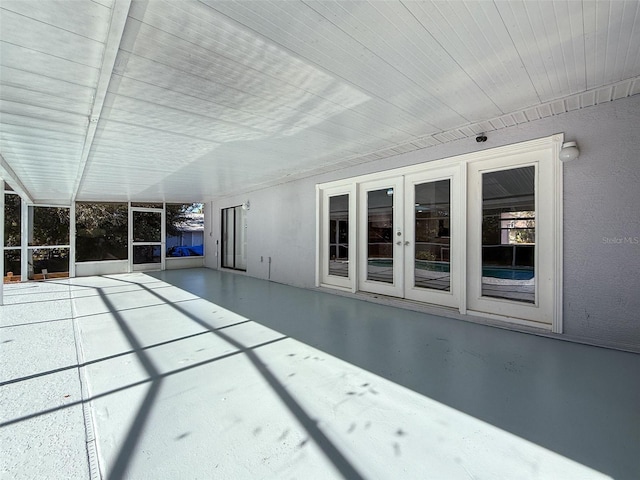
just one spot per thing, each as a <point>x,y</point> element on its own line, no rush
<point>601,299</point>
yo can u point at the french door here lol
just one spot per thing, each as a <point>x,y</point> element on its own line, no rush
<point>408,231</point>
<point>511,261</point>
<point>381,237</point>
<point>337,261</point>
<point>481,233</point>
<point>432,257</point>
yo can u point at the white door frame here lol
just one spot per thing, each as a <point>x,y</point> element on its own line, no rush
<point>325,278</point>
<point>449,298</point>
<point>146,267</point>
<point>545,151</point>
<point>541,311</point>
<point>396,288</point>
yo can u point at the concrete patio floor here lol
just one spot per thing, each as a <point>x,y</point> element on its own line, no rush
<point>206,374</point>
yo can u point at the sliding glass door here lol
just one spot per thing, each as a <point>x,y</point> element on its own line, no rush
<point>234,238</point>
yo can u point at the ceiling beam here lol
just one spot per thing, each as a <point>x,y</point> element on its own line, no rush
<point>9,176</point>
<point>119,14</point>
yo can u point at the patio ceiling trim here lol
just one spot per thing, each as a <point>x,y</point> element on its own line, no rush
<point>119,16</point>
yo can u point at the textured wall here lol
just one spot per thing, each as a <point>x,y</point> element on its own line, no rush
<point>601,218</point>
<point>602,226</point>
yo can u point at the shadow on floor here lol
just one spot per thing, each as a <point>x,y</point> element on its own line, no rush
<point>579,401</point>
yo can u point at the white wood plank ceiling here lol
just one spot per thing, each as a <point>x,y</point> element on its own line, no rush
<point>188,100</point>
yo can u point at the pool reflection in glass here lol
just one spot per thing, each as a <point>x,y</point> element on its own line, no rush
<point>509,234</point>
<point>432,235</point>
<point>380,235</point>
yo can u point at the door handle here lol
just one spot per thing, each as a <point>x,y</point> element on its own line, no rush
<point>406,243</point>
<point>399,243</point>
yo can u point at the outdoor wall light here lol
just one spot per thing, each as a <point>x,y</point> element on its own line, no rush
<point>569,151</point>
<point>246,205</point>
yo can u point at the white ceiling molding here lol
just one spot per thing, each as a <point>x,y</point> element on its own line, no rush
<point>626,88</point>
<point>119,14</point>
<point>589,98</point>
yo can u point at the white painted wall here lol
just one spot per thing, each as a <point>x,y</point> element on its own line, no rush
<point>601,209</point>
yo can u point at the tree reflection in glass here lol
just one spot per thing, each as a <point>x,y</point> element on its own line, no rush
<point>509,234</point>
<point>432,235</point>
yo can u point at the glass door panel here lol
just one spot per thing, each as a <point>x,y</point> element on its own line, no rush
<point>339,235</point>
<point>234,238</point>
<point>431,235</point>
<point>432,252</point>
<point>241,239</point>
<point>382,237</point>
<point>510,262</point>
<point>337,230</point>
<point>509,234</point>
<point>228,237</point>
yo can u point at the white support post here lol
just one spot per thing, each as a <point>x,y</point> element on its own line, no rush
<point>130,238</point>
<point>24,240</point>
<point>2,241</point>
<point>163,237</point>
<point>72,240</point>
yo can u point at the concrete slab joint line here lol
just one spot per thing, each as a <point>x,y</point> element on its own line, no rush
<point>87,412</point>
<point>332,453</point>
